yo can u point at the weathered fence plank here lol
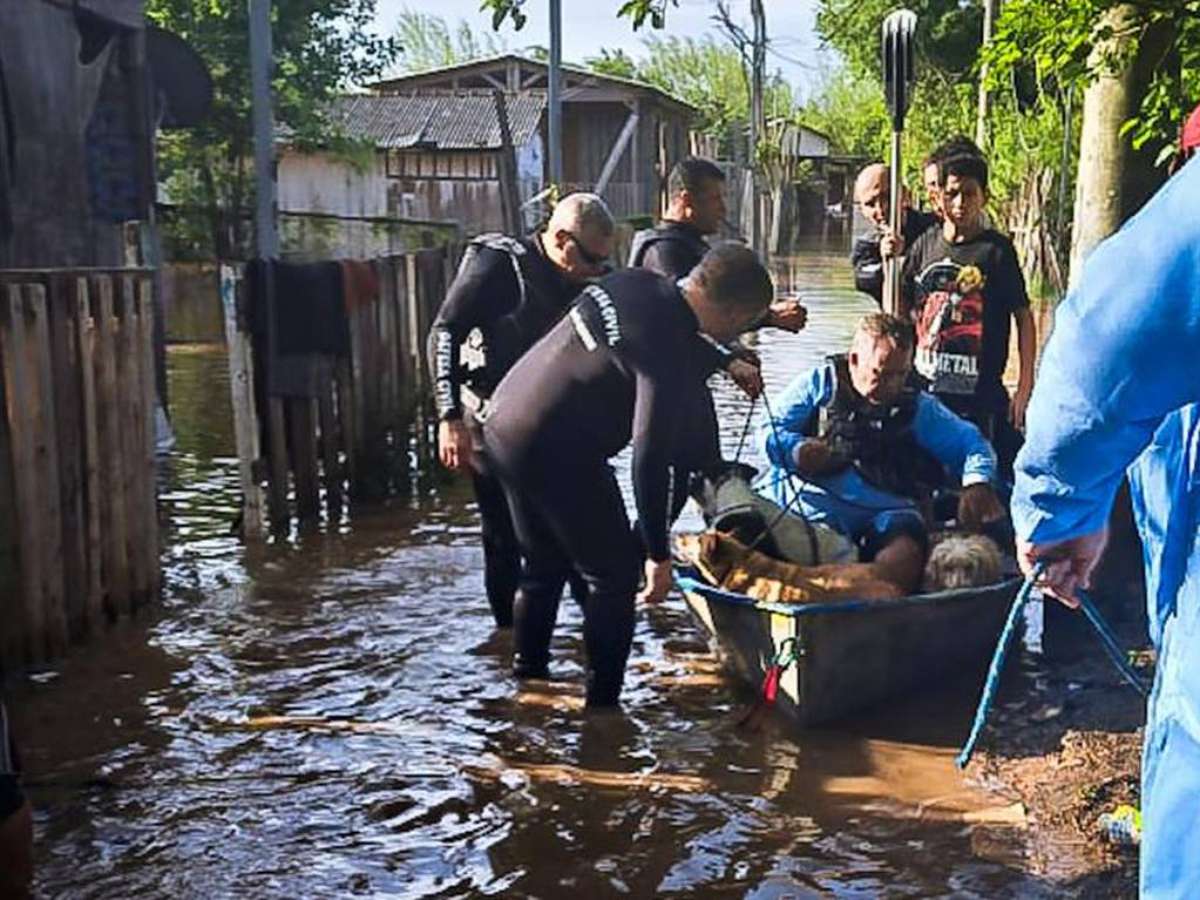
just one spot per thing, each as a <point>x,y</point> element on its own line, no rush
<point>330,434</point>
<point>46,459</point>
<point>302,429</point>
<point>64,329</point>
<point>79,525</point>
<point>22,422</point>
<point>112,460</point>
<point>148,481</point>
<point>353,434</point>
<point>245,411</point>
<point>129,429</point>
<point>92,480</point>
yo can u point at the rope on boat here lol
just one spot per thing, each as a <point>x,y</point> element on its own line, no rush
<point>785,657</point>
<point>992,683</point>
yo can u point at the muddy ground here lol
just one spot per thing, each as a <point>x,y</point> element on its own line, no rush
<point>1065,740</point>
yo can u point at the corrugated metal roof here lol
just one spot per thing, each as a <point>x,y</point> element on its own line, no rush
<point>411,79</point>
<point>463,121</point>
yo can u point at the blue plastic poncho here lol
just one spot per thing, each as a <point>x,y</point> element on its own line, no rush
<point>1116,390</point>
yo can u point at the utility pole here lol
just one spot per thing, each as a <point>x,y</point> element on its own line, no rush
<point>758,122</point>
<point>990,9</point>
<point>554,84</point>
<point>266,232</point>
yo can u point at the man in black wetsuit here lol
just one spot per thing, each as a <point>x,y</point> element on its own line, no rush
<point>508,293</point>
<point>674,247</point>
<point>620,366</point>
<point>696,209</point>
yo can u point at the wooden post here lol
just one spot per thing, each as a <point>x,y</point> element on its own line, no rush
<point>93,499</point>
<point>128,414</point>
<point>11,594</point>
<point>64,332</point>
<point>148,494</point>
<point>344,389</point>
<point>302,428</point>
<point>112,461</point>
<point>13,336</point>
<point>506,158</point>
<point>277,484</point>
<point>245,412</point>
<point>49,508</point>
<point>329,439</point>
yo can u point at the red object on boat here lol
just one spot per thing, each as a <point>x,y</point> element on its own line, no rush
<point>1189,137</point>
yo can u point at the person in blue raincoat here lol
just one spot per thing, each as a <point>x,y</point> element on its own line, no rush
<point>1118,390</point>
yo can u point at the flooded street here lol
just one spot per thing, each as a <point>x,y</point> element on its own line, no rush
<point>332,715</point>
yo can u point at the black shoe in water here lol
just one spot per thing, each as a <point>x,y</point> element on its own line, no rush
<point>523,668</point>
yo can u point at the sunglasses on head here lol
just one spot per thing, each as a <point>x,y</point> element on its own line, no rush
<point>592,259</point>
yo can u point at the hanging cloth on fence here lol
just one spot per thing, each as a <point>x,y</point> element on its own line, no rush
<point>306,320</point>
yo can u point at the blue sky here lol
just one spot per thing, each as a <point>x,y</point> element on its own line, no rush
<point>591,24</point>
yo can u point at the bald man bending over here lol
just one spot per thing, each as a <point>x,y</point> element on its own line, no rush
<point>508,293</point>
<point>872,195</point>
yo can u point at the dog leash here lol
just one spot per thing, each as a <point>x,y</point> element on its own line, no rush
<point>992,682</point>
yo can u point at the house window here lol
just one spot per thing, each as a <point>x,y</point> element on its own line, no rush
<point>442,165</point>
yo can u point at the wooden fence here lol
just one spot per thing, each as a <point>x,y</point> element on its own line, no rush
<point>303,457</point>
<point>78,504</point>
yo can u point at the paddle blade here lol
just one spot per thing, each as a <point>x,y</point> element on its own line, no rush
<point>899,63</point>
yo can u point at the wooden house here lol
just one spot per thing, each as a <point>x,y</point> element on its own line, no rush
<point>437,142</point>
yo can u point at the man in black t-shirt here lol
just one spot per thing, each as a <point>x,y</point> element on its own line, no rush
<point>872,195</point>
<point>963,287</point>
<point>619,369</point>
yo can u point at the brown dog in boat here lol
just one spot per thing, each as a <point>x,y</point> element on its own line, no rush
<point>732,566</point>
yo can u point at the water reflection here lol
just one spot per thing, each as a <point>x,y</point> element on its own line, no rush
<point>332,716</point>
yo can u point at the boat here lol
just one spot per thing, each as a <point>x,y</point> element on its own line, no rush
<point>849,654</point>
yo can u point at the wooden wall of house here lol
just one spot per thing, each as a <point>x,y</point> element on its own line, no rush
<point>443,186</point>
<point>591,129</point>
<point>322,183</point>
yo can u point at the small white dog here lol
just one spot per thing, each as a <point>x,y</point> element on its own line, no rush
<point>962,561</point>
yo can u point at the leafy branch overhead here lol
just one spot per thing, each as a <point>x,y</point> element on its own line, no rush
<point>637,11</point>
<point>1075,41</point>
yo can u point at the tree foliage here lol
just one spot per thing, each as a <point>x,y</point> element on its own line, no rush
<point>320,47</point>
<point>426,41</point>
<point>706,73</point>
<point>1063,43</point>
<point>637,11</point>
<point>948,33</point>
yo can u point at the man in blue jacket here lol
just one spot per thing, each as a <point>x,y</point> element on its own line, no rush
<point>1120,383</point>
<point>854,446</point>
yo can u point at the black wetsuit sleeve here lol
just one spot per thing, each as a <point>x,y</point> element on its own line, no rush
<point>660,383</point>
<point>868,266</point>
<point>482,291</point>
<point>713,356</point>
<point>672,259</point>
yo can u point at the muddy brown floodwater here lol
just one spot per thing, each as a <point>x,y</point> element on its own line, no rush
<point>332,715</point>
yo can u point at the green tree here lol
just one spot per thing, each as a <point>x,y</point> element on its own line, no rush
<point>426,41</point>
<point>706,73</point>
<point>320,48</point>
<point>617,63</point>
<point>1066,42</point>
<point>637,11</point>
